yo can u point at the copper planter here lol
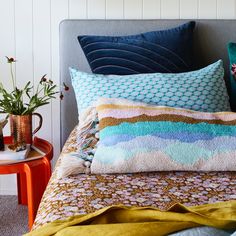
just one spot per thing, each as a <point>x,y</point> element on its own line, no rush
<point>21,128</point>
<point>2,124</point>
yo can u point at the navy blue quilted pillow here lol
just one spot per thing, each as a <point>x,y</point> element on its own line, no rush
<point>166,51</point>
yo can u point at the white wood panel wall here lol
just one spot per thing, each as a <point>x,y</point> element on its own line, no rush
<point>29,31</point>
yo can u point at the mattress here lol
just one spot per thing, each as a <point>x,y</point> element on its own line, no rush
<point>82,194</point>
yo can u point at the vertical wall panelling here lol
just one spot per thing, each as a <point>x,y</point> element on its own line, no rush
<point>59,12</point>
<point>78,9</point>
<point>170,9</point>
<point>151,9</point>
<point>23,53</point>
<point>42,57</point>
<point>133,11</point>
<point>114,9</point>
<point>7,47</point>
<point>96,9</point>
<point>24,41</point>
<point>29,31</point>
<point>226,9</point>
<point>207,9</point>
<point>188,9</point>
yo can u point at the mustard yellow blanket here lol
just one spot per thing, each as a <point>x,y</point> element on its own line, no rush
<point>143,221</point>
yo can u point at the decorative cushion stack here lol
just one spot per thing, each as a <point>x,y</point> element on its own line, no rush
<point>153,114</point>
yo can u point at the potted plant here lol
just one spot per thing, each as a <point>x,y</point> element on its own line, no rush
<point>20,104</point>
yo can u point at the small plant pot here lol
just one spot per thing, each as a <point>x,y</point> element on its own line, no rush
<point>21,128</point>
<point>2,124</point>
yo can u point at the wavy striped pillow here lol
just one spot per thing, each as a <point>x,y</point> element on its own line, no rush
<point>135,137</point>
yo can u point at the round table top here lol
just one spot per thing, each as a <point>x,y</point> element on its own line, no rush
<point>40,149</point>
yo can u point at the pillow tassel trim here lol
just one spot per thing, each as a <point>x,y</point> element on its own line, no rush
<point>80,162</point>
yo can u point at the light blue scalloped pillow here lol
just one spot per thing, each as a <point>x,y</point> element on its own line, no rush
<point>201,90</point>
<point>202,231</point>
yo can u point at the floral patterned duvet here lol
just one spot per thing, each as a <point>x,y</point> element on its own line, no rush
<point>83,193</point>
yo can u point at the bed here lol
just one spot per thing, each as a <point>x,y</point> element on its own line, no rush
<point>83,194</point>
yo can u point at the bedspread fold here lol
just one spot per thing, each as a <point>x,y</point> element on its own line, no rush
<point>127,221</point>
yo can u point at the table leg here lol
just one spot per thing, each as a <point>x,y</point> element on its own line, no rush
<point>22,188</point>
<point>48,169</point>
<point>36,184</point>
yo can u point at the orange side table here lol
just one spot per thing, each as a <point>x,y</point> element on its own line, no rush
<point>32,176</point>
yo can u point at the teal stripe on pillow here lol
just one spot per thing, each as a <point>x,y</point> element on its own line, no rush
<point>149,128</point>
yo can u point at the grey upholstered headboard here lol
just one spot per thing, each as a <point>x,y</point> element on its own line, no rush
<point>211,38</point>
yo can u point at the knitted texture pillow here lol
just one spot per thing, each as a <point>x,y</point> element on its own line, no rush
<point>136,137</point>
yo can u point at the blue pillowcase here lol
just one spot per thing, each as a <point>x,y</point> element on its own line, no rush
<point>201,90</point>
<point>165,51</point>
